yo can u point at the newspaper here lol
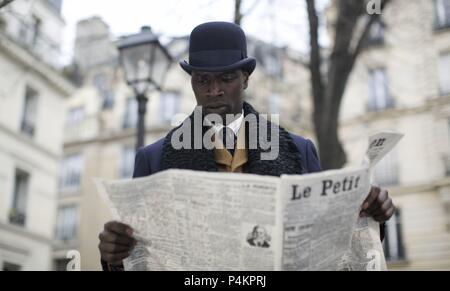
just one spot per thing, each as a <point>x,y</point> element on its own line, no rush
<point>366,250</point>
<point>187,220</point>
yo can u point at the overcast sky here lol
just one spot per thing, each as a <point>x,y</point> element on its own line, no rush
<point>283,22</point>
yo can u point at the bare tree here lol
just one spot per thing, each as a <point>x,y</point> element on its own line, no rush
<point>328,90</point>
<point>239,14</point>
<point>3,3</point>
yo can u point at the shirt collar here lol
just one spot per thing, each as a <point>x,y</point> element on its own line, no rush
<point>234,126</point>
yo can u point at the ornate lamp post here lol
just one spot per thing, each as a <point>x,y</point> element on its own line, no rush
<point>145,63</point>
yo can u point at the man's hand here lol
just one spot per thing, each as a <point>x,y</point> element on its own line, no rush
<point>116,243</point>
<point>378,205</point>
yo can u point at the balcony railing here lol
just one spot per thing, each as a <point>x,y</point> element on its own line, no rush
<point>71,182</point>
<point>373,107</point>
<point>17,217</point>
<point>86,129</point>
<point>27,128</point>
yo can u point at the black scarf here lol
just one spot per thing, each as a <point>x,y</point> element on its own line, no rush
<point>287,162</point>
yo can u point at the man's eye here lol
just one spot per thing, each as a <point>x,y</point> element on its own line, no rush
<point>228,77</point>
<point>202,80</point>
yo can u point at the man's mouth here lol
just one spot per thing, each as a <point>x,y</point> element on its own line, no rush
<point>216,106</point>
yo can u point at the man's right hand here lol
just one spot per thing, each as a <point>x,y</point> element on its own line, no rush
<point>116,243</point>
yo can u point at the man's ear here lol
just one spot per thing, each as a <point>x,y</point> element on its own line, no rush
<point>246,79</point>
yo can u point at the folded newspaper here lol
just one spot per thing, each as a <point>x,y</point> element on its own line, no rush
<point>187,220</point>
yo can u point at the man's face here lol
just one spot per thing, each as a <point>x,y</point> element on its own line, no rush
<point>260,233</point>
<point>220,93</point>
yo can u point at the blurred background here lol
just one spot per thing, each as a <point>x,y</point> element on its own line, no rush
<point>334,70</point>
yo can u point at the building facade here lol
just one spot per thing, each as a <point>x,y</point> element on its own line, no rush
<point>401,82</point>
<point>32,93</point>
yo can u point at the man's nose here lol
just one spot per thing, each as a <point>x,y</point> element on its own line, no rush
<point>215,89</point>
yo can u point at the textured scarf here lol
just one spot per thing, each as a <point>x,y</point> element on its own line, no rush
<point>287,162</point>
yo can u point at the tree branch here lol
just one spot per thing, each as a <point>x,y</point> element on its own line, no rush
<point>349,12</point>
<point>3,3</point>
<point>328,95</point>
<point>237,12</point>
<point>315,57</point>
<point>340,64</point>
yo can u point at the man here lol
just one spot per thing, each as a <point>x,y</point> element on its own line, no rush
<point>259,237</point>
<point>220,71</point>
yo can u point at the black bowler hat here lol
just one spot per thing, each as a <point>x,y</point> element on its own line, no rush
<point>218,47</point>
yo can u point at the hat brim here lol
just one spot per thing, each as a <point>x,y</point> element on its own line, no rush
<point>248,65</point>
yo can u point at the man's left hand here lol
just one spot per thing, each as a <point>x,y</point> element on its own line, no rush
<point>378,205</point>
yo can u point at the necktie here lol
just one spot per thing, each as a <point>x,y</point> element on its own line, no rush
<point>229,139</point>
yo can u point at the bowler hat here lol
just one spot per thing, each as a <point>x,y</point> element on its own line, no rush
<point>218,47</point>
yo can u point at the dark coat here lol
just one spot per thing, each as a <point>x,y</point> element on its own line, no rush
<point>148,159</point>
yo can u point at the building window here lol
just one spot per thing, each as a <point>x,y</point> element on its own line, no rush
<point>66,225</point>
<point>36,30</point>
<point>273,65</point>
<point>100,82</point>
<point>30,31</point>
<point>379,98</point>
<point>169,106</point>
<point>444,74</point>
<point>394,249</point>
<point>442,13</point>
<point>102,85</point>
<point>386,173</point>
<point>10,267</point>
<point>270,59</point>
<point>29,115</point>
<point>71,172</point>
<point>108,97</point>
<point>376,33</point>
<point>18,210</point>
<point>76,116</point>
<point>131,113</point>
<point>127,162</point>
<point>274,104</point>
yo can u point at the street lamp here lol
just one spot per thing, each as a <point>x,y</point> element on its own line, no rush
<point>145,63</point>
